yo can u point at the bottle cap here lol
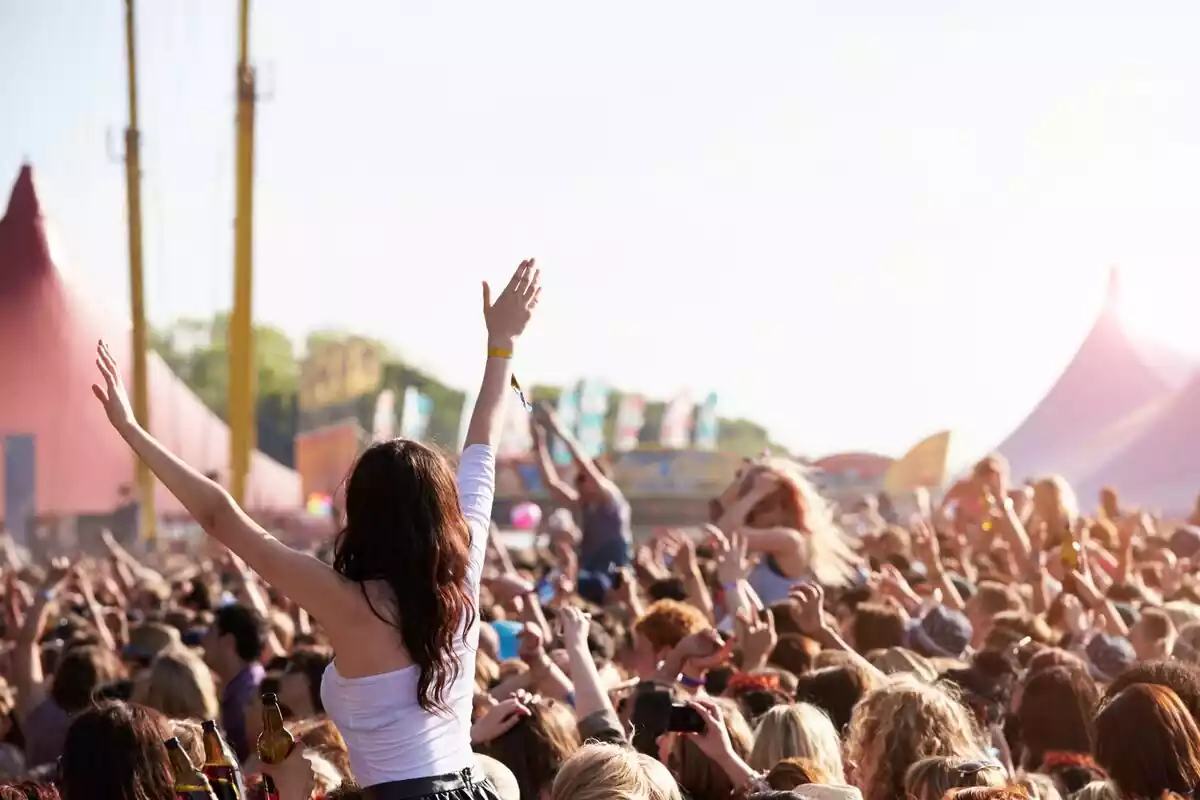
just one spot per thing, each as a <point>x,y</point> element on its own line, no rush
<point>172,744</point>
<point>209,725</point>
<point>270,699</point>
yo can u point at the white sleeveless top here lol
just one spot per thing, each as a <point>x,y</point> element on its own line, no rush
<point>388,735</point>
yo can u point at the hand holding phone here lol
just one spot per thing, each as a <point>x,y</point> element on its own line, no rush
<point>682,718</point>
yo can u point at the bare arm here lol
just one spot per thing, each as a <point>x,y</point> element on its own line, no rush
<point>581,458</point>
<point>312,584</point>
<point>506,320</point>
<point>560,490</point>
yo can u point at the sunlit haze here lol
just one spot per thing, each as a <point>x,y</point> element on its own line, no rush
<point>859,223</point>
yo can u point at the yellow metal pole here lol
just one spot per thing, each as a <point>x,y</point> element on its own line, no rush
<point>241,332</point>
<point>133,195</point>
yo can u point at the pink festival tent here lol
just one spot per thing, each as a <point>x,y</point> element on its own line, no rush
<point>1106,399</point>
<point>48,334</point>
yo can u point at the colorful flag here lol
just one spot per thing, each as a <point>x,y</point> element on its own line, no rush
<point>568,417</point>
<point>414,415</point>
<point>677,423</point>
<point>384,425</point>
<point>707,424</point>
<point>593,410</point>
<point>631,416</point>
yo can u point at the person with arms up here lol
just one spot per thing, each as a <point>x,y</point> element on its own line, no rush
<point>596,501</point>
<point>399,603</point>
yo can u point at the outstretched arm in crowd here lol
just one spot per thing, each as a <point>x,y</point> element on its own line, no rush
<point>582,460</point>
<point>506,320</point>
<point>306,580</point>
<point>560,490</point>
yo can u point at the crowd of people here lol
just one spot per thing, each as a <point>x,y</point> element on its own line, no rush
<point>1005,643</point>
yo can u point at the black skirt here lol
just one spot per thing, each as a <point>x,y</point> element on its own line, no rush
<point>465,785</point>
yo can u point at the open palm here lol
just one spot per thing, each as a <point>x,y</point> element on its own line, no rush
<point>112,395</point>
<point>507,317</point>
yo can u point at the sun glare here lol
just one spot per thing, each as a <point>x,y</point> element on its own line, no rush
<point>1161,308</point>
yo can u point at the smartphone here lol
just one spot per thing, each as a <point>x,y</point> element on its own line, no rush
<point>684,719</point>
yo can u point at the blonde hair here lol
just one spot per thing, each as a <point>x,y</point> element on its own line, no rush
<point>180,685</point>
<point>1055,503</point>
<point>799,730</point>
<point>610,772</point>
<point>900,723</point>
<point>932,778</point>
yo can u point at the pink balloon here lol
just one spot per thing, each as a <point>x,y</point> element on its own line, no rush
<point>526,516</point>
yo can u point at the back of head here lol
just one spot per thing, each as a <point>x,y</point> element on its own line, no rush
<point>79,673</point>
<point>248,629</point>
<point>900,723</point>
<point>609,772</point>
<point>179,685</point>
<point>1148,742</point>
<point>537,746</point>
<point>931,778</point>
<point>1181,678</point>
<point>116,751</point>
<point>836,691</point>
<point>1056,713</point>
<point>797,731</point>
<point>404,528</point>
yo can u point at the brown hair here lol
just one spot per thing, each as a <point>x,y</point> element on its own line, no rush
<point>405,527</point>
<point>836,691</point>
<point>537,746</point>
<point>1056,713</point>
<point>795,653</point>
<point>877,626</point>
<point>668,622</point>
<point>995,597</point>
<point>792,772</point>
<point>80,672</point>
<point>1148,742</point>
<point>116,751</point>
<point>931,778</point>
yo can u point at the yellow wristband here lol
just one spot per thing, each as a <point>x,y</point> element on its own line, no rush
<point>496,353</point>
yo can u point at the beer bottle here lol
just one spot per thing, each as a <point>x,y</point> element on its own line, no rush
<point>218,766</point>
<point>190,783</point>
<point>275,743</point>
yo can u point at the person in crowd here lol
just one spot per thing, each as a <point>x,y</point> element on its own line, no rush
<point>606,540</point>
<point>233,648</point>
<point>179,685</point>
<point>798,730</point>
<point>399,602</point>
<point>1148,743</point>
<point>116,750</point>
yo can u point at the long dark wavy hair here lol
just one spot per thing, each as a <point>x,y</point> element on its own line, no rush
<point>404,527</point>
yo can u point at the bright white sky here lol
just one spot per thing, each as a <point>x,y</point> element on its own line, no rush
<point>858,222</point>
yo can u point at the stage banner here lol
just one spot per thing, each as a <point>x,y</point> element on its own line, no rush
<point>707,424</point>
<point>20,485</point>
<point>686,473</point>
<point>676,431</point>
<point>384,427</point>
<point>631,416</point>
<point>415,414</point>
<point>593,410</point>
<point>567,412</point>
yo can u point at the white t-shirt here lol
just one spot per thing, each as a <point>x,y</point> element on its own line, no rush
<point>388,735</point>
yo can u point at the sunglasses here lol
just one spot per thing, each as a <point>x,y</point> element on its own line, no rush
<point>966,769</point>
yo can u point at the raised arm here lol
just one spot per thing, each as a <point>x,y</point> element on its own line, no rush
<point>585,462</point>
<point>312,584</point>
<point>559,489</point>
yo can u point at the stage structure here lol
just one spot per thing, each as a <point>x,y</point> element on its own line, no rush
<point>148,519</point>
<point>241,321</point>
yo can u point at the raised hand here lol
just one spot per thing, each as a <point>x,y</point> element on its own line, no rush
<point>112,396</point>
<point>808,608</point>
<point>507,317</point>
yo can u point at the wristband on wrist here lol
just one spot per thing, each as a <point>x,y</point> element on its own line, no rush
<point>46,595</point>
<point>690,682</point>
<point>500,352</point>
<point>496,352</point>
